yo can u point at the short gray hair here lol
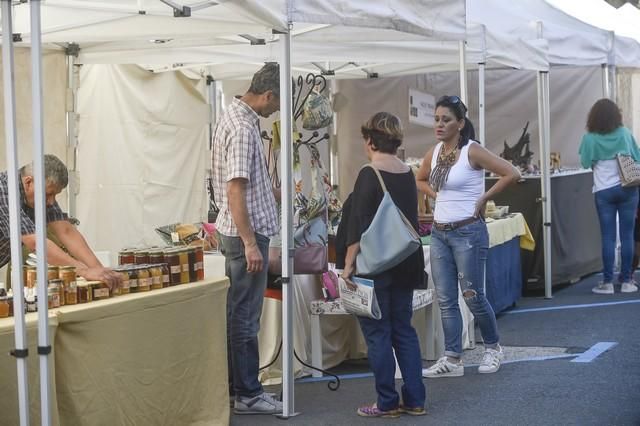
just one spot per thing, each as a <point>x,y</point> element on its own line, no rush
<point>54,171</point>
<point>266,78</point>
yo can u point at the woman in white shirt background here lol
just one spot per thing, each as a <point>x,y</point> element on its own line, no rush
<point>452,173</point>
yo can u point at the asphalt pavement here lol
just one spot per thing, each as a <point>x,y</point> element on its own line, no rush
<point>570,360</point>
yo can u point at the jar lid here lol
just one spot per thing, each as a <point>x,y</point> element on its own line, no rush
<point>67,268</point>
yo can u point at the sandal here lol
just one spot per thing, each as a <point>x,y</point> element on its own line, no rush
<point>374,411</point>
<point>412,411</point>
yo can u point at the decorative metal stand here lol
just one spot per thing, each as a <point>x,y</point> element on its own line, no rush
<point>312,81</point>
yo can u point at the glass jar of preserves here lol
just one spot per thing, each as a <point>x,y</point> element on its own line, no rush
<point>99,290</point>
<point>156,277</point>
<point>133,279</point>
<point>126,257</point>
<point>144,278</point>
<point>156,256</point>
<point>183,254</point>
<point>200,262</point>
<point>141,257</point>
<point>84,292</point>
<point>31,299</point>
<point>4,304</point>
<point>10,301</point>
<point>54,293</point>
<point>193,268</point>
<point>124,273</point>
<point>30,276</point>
<point>67,274</point>
<point>71,293</point>
<point>52,273</point>
<point>166,275</point>
<point>172,258</point>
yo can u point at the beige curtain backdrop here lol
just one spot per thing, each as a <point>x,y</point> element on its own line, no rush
<point>511,101</point>
<point>143,152</point>
<point>54,84</point>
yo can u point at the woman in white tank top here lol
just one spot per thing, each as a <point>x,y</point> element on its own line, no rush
<point>452,172</point>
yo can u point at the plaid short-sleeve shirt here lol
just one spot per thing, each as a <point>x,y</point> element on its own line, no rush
<point>27,221</point>
<point>238,153</point>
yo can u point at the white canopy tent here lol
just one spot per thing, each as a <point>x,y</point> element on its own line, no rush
<point>624,21</point>
<point>94,25</point>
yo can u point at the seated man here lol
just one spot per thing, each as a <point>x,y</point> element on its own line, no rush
<point>79,254</point>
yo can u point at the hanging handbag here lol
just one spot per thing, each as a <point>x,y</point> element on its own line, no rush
<point>629,171</point>
<point>389,239</point>
<point>310,234</point>
<point>316,111</point>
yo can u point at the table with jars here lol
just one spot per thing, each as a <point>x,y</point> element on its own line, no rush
<point>151,352</point>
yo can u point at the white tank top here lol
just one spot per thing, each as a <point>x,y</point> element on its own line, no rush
<point>457,198</point>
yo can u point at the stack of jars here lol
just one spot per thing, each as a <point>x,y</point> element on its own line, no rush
<point>179,265</point>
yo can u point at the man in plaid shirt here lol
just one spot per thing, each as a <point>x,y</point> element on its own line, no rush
<point>247,218</point>
<point>79,254</point>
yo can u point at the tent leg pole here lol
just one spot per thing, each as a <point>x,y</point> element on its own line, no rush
<point>44,344</point>
<point>545,178</point>
<point>605,81</point>
<point>286,116</point>
<point>481,104</point>
<point>463,71</point>
<point>14,212</point>
<point>72,137</point>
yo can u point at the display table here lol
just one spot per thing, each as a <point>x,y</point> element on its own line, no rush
<point>575,236</point>
<point>157,357</point>
<point>9,377</point>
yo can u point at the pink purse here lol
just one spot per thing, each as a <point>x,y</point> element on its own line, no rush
<point>330,285</point>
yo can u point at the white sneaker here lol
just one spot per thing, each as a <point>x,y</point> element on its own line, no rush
<point>491,360</point>
<point>444,368</point>
<point>603,288</point>
<point>264,403</point>
<point>629,287</point>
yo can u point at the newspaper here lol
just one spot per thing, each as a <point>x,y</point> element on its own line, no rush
<point>362,301</point>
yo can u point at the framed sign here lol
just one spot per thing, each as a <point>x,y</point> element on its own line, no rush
<point>421,108</point>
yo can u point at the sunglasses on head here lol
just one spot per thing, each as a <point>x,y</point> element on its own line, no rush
<point>452,100</point>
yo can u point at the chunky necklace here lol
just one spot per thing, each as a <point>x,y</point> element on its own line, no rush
<point>444,163</point>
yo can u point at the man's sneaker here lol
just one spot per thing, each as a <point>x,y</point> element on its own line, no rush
<point>603,288</point>
<point>444,368</point>
<point>629,287</point>
<point>491,360</point>
<point>261,404</point>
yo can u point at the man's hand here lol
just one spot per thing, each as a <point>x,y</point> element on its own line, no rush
<point>254,258</point>
<point>112,278</point>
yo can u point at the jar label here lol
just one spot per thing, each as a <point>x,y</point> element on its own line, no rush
<point>100,292</point>
<point>199,266</point>
<point>133,283</point>
<point>185,267</point>
<point>176,269</point>
<point>144,282</point>
<point>125,284</point>
<point>166,279</point>
<point>157,280</point>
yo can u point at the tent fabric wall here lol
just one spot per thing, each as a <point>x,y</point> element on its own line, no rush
<point>54,78</point>
<point>143,153</point>
<point>511,101</point>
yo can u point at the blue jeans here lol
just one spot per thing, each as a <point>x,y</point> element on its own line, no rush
<point>623,202</point>
<point>244,307</point>
<point>394,331</point>
<point>458,258</point>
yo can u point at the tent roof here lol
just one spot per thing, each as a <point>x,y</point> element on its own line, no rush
<point>602,15</point>
<point>571,41</point>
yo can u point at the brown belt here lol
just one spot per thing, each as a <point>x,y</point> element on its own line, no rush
<point>454,225</point>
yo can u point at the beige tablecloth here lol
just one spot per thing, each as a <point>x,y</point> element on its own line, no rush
<point>9,414</point>
<point>155,358</point>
